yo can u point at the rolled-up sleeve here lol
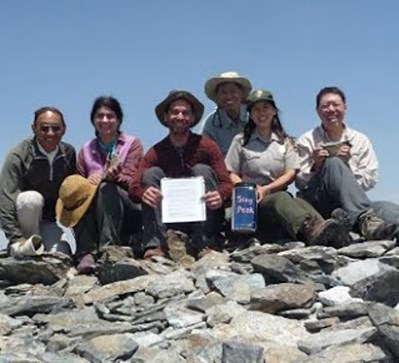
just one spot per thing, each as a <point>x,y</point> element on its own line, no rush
<point>366,169</point>
<point>305,151</point>
<point>291,156</point>
<point>232,159</point>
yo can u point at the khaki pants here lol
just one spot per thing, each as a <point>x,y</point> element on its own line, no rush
<point>29,205</point>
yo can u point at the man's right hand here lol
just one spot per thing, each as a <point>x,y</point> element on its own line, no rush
<point>319,155</point>
<point>152,196</point>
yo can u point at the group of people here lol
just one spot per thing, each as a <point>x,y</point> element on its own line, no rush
<point>111,190</point>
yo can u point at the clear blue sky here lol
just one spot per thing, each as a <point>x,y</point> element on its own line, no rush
<point>66,53</point>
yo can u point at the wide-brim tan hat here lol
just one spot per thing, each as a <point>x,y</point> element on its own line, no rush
<point>212,84</point>
<point>75,196</point>
<point>197,106</point>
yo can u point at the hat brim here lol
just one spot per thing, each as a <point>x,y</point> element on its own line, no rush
<point>212,84</point>
<point>198,107</point>
<point>70,218</point>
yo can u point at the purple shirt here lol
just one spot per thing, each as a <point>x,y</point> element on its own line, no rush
<point>91,159</point>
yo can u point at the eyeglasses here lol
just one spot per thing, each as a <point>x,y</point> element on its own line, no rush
<point>46,128</point>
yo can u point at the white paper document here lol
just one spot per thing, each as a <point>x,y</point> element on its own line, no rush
<point>183,200</point>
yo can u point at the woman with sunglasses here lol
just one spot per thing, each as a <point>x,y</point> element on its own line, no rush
<point>110,162</point>
<point>30,180</point>
<point>229,91</point>
<point>265,155</point>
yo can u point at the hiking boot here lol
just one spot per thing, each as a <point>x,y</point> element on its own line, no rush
<point>155,251</point>
<point>316,232</point>
<point>373,228</point>
<point>342,238</point>
<point>87,264</point>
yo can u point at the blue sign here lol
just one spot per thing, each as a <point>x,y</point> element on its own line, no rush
<point>244,208</point>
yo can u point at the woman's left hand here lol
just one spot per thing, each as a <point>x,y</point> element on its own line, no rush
<point>112,172</point>
<point>262,192</point>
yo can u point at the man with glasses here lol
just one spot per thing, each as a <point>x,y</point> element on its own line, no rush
<point>30,180</point>
<point>338,166</point>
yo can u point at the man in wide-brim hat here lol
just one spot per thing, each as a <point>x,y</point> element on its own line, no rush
<point>229,91</point>
<point>181,154</point>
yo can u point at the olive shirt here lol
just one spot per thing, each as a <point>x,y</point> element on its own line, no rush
<point>261,160</point>
<point>222,129</point>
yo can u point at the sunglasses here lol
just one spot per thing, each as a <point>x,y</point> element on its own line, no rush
<point>45,128</point>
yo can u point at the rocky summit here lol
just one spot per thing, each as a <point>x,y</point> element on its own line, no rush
<point>265,303</point>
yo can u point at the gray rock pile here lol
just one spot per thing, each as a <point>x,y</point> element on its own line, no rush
<point>266,303</point>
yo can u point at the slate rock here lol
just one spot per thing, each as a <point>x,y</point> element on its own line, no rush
<point>30,305</point>
<point>345,311</point>
<point>277,269</point>
<point>250,327</point>
<point>108,348</point>
<point>358,271</point>
<point>181,317</point>
<point>206,302</point>
<point>274,298</point>
<point>236,352</point>
<point>45,269</point>
<point>239,288</point>
<point>124,269</point>
<point>119,288</point>
<point>381,287</point>
<point>386,320</point>
<point>322,258</point>
<point>170,285</point>
<point>367,249</point>
<point>223,313</point>
<point>336,296</point>
<point>348,353</point>
<point>320,341</point>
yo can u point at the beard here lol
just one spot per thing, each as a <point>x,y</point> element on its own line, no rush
<point>179,129</point>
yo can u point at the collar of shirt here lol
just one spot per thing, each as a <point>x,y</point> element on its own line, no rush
<point>227,122</point>
<point>324,136</point>
<point>257,136</point>
<point>49,155</point>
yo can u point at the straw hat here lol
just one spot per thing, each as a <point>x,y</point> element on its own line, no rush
<point>75,196</point>
<point>197,106</point>
<point>212,84</point>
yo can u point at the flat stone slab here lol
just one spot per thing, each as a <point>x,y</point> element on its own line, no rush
<point>274,298</point>
<point>317,342</point>
<point>367,249</point>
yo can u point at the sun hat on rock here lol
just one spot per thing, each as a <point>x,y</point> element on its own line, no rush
<point>212,84</point>
<point>75,196</point>
<point>197,106</point>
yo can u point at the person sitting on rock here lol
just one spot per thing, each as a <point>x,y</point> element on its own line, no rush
<point>265,155</point>
<point>338,166</point>
<point>109,162</point>
<point>181,154</point>
<point>229,91</point>
<point>30,180</point>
